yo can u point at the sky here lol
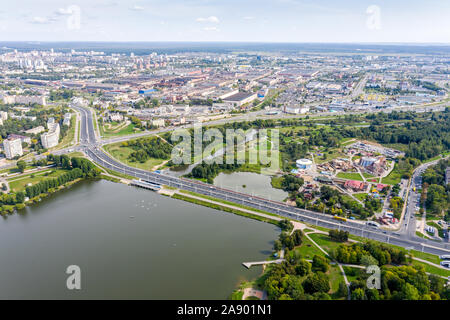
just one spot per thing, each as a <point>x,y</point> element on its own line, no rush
<point>404,21</point>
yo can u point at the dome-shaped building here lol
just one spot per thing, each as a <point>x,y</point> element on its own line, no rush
<point>304,164</point>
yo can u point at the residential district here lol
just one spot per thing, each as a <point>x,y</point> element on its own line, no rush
<point>363,147</point>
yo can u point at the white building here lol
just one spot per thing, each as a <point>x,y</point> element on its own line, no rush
<point>50,122</point>
<point>158,123</point>
<point>50,139</point>
<point>67,118</point>
<point>35,130</point>
<point>3,115</point>
<point>240,98</point>
<point>117,117</point>
<point>305,164</point>
<point>296,110</point>
<point>25,100</point>
<point>13,148</point>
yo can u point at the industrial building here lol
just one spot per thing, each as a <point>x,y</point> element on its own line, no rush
<point>241,98</point>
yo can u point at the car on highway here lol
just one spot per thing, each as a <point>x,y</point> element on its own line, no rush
<point>445,264</point>
<point>372,224</point>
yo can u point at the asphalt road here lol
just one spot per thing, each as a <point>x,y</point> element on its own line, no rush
<point>92,147</point>
<point>409,222</point>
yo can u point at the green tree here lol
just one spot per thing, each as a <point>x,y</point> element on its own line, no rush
<point>358,294</point>
<point>277,246</point>
<point>342,290</point>
<point>368,260</point>
<point>303,268</point>
<point>21,165</point>
<point>411,292</point>
<point>316,282</point>
<point>320,264</point>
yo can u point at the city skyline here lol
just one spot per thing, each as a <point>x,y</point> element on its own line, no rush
<point>231,21</point>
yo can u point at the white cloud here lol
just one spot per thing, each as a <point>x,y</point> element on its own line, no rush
<point>137,8</point>
<point>40,20</point>
<point>211,29</point>
<point>63,12</point>
<point>249,18</point>
<point>211,19</point>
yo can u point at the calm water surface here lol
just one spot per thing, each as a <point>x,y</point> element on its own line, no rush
<point>129,243</point>
<point>255,184</point>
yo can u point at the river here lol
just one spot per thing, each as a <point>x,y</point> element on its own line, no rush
<point>128,243</point>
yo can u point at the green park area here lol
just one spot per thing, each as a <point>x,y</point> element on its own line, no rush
<point>308,250</point>
<point>19,183</point>
<point>116,129</point>
<point>394,177</point>
<point>122,152</point>
<point>70,135</point>
<point>350,176</point>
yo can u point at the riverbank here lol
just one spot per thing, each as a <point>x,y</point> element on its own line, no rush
<point>28,188</point>
<point>264,217</point>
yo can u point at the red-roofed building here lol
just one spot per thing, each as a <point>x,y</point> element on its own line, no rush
<point>355,185</point>
<point>381,186</point>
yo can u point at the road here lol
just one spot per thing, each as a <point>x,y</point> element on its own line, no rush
<point>262,115</point>
<point>359,88</point>
<point>92,148</point>
<point>409,222</point>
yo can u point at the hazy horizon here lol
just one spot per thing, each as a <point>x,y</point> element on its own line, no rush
<point>279,21</point>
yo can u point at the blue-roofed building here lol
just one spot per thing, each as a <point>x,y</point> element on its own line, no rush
<point>147,92</point>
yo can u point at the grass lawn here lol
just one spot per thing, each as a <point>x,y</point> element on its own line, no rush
<point>324,241</point>
<point>223,208</point>
<point>336,277</point>
<point>308,250</point>
<point>19,183</point>
<point>394,177</point>
<point>419,234</point>
<point>335,153</point>
<point>76,154</point>
<point>237,295</point>
<point>122,153</point>
<point>426,256</point>
<point>227,202</point>
<point>70,136</point>
<point>360,196</point>
<point>445,153</point>
<point>350,175</point>
<point>14,170</point>
<point>432,269</point>
<point>352,273</point>
<point>347,141</point>
<point>130,129</point>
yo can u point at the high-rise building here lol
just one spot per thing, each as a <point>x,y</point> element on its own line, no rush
<point>50,139</point>
<point>13,147</point>
<point>3,115</point>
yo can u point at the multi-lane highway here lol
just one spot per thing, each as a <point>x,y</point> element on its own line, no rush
<point>92,147</point>
<point>409,222</point>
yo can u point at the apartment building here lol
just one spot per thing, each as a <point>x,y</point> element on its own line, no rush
<point>13,147</point>
<point>50,139</point>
